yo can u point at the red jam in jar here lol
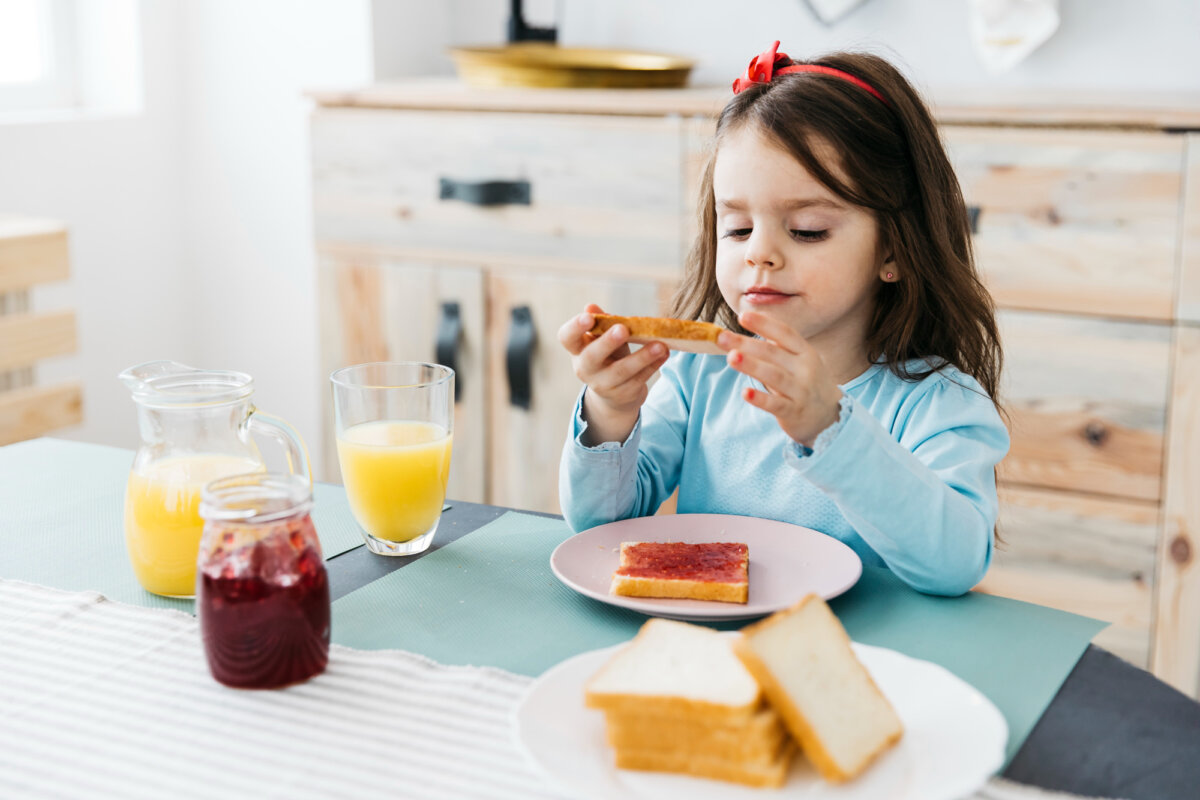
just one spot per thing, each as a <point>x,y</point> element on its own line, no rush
<point>262,593</point>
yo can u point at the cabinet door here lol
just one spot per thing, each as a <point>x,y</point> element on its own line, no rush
<point>526,311</point>
<point>374,309</point>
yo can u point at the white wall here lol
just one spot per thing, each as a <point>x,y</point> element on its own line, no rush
<point>249,270</point>
<point>1101,45</point>
<point>190,218</point>
<point>115,181</point>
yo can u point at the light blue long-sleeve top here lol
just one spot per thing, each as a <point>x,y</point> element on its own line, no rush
<point>905,477</point>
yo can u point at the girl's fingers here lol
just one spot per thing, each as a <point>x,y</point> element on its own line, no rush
<point>611,346</point>
<point>777,379</point>
<point>728,340</point>
<point>631,368</point>
<point>771,403</point>
<point>573,335</point>
<point>761,349</point>
<point>774,330</point>
<point>647,373</point>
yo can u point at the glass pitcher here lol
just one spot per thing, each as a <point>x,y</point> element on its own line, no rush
<point>196,427</point>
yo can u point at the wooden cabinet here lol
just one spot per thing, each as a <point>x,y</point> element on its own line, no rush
<point>1086,230</point>
<point>514,221</point>
<point>1080,235</point>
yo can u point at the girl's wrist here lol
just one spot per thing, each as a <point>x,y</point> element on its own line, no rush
<point>831,416</point>
<point>604,422</point>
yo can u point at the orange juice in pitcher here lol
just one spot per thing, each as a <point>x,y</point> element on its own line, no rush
<point>162,517</point>
<point>196,427</point>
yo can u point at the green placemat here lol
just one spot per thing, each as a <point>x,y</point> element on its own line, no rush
<point>491,599</point>
<point>62,506</point>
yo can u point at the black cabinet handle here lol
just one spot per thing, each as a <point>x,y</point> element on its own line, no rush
<point>486,193</point>
<point>973,213</point>
<point>522,341</point>
<point>449,336</point>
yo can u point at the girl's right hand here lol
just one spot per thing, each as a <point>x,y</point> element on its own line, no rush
<point>617,378</point>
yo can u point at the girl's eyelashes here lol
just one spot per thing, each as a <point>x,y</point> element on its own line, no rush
<point>798,235</point>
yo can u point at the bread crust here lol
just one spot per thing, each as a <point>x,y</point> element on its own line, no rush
<point>676,588</point>
<point>769,776</point>
<point>677,334</point>
<point>756,740</point>
<point>797,724</point>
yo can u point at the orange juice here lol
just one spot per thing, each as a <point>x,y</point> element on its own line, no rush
<point>395,475</point>
<point>162,518</point>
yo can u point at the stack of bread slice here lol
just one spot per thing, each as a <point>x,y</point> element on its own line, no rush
<point>684,698</point>
<point>677,699</point>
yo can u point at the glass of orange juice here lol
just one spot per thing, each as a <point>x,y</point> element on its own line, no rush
<point>395,427</point>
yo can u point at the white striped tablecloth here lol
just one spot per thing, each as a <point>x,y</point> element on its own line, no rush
<point>102,699</point>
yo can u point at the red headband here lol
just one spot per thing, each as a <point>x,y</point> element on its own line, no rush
<point>769,64</point>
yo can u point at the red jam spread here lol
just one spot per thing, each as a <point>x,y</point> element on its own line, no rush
<point>264,609</point>
<point>717,562</point>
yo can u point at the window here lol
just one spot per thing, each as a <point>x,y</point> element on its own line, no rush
<point>37,55</point>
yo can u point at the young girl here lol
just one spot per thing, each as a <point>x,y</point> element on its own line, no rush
<point>856,394</point>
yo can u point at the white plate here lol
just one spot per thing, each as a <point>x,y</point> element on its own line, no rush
<point>953,740</point>
<point>787,562</point>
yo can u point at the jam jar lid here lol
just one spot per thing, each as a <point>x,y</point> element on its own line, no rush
<point>255,497</point>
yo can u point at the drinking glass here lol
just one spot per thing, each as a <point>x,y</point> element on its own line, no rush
<point>395,426</point>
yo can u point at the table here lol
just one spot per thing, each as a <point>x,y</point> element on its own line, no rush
<point>1113,730</point>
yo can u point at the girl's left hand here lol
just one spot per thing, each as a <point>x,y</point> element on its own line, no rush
<point>802,394</point>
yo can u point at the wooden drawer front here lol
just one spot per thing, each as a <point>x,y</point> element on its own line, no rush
<point>527,442</point>
<point>1085,555</point>
<point>1087,403</point>
<point>375,310</point>
<point>1074,220</point>
<point>603,190</point>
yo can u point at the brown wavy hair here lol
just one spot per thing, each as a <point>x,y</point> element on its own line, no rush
<point>896,167</point>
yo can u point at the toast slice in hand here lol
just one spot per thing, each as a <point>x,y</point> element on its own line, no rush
<point>677,334</point>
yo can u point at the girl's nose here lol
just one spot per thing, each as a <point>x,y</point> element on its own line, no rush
<point>762,251</point>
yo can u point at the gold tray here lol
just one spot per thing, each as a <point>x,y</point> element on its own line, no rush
<point>550,66</point>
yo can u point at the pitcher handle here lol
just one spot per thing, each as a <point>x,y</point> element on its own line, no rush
<point>288,438</point>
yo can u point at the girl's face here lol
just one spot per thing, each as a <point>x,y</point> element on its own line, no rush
<point>789,247</point>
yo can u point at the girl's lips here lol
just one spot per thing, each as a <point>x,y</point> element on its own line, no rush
<point>765,297</point>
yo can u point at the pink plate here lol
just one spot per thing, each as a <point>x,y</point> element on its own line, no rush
<point>787,562</point>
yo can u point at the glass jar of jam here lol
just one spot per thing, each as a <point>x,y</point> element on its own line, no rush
<point>262,594</point>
